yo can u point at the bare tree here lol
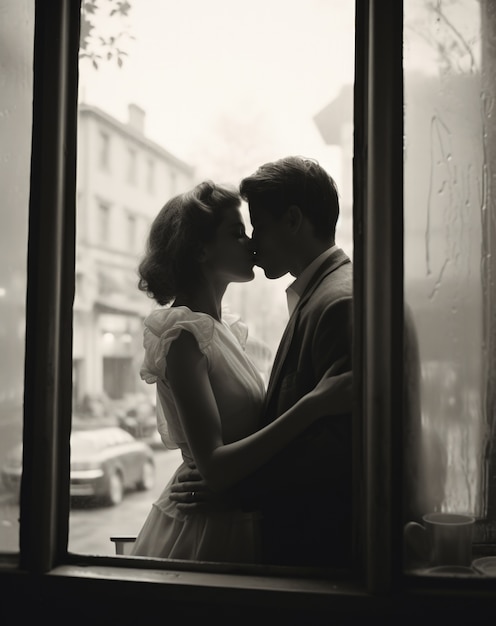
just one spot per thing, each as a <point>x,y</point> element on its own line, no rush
<point>455,50</point>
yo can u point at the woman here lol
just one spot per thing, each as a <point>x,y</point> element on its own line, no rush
<point>209,394</point>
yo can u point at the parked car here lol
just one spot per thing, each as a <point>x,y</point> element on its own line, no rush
<point>141,422</point>
<point>105,464</point>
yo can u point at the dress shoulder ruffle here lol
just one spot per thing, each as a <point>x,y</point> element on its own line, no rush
<point>162,327</point>
<point>237,326</point>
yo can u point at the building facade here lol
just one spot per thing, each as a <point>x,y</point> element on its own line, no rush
<point>123,179</point>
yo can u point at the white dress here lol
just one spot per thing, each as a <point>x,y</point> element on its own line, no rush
<point>230,536</point>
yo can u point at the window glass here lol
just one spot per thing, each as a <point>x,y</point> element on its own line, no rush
<point>16,95</point>
<point>213,96</point>
<point>449,259</point>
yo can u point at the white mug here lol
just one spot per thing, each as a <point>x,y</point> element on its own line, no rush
<point>443,538</point>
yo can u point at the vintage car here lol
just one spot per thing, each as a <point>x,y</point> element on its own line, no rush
<point>105,464</point>
<point>141,422</point>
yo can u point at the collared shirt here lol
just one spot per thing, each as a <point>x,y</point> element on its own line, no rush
<point>296,289</point>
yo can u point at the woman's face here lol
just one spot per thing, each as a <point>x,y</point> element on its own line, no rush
<point>229,256</point>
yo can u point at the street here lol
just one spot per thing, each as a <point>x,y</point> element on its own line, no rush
<point>90,527</point>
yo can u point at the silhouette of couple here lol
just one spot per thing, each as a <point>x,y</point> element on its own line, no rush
<point>266,473</point>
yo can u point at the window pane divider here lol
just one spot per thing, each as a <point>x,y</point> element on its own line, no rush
<point>383,296</point>
<point>51,261</point>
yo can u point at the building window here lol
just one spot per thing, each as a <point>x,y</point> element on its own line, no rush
<point>132,164</point>
<point>131,236</point>
<point>150,175</point>
<point>104,151</point>
<point>103,223</point>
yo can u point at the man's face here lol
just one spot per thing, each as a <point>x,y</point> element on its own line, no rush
<point>272,249</point>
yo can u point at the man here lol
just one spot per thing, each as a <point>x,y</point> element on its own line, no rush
<point>305,493</point>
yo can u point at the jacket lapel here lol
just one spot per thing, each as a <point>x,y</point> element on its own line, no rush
<point>334,261</point>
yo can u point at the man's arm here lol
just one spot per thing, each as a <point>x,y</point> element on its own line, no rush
<point>300,461</point>
<point>295,467</point>
<point>326,442</point>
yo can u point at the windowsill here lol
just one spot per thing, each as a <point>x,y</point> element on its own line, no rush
<point>250,594</point>
<point>182,590</point>
<point>319,580</point>
<point>314,586</point>
<point>127,588</point>
<point>291,594</point>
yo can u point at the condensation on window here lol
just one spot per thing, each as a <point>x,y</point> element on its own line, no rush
<point>449,245</point>
<point>16,96</point>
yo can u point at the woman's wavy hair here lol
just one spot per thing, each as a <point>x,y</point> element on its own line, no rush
<point>177,234</point>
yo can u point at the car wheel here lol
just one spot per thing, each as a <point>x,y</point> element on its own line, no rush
<point>115,489</point>
<point>147,480</point>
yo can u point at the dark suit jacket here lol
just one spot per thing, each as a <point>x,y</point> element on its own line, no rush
<point>304,493</point>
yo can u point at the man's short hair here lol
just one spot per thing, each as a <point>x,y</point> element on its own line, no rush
<point>295,180</point>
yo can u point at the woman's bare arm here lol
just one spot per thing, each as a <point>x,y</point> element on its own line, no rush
<point>223,465</point>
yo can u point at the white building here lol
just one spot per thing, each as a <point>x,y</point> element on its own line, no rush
<point>124,179</point>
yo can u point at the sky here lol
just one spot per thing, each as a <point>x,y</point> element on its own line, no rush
<point>228,84</point>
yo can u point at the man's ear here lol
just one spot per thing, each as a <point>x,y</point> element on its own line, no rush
<point>294,218</point>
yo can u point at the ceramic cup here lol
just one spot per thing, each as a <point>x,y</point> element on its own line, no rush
<point>443,538</point>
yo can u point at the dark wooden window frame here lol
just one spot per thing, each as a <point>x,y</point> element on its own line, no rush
<point>114,589</point>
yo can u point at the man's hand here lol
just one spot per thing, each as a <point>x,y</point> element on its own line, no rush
<point>193,495</point>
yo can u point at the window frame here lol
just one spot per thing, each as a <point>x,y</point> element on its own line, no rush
<point>44,501</point>
<point>380,586</point>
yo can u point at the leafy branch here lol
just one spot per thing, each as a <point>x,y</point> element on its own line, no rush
<point>96,45</point>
